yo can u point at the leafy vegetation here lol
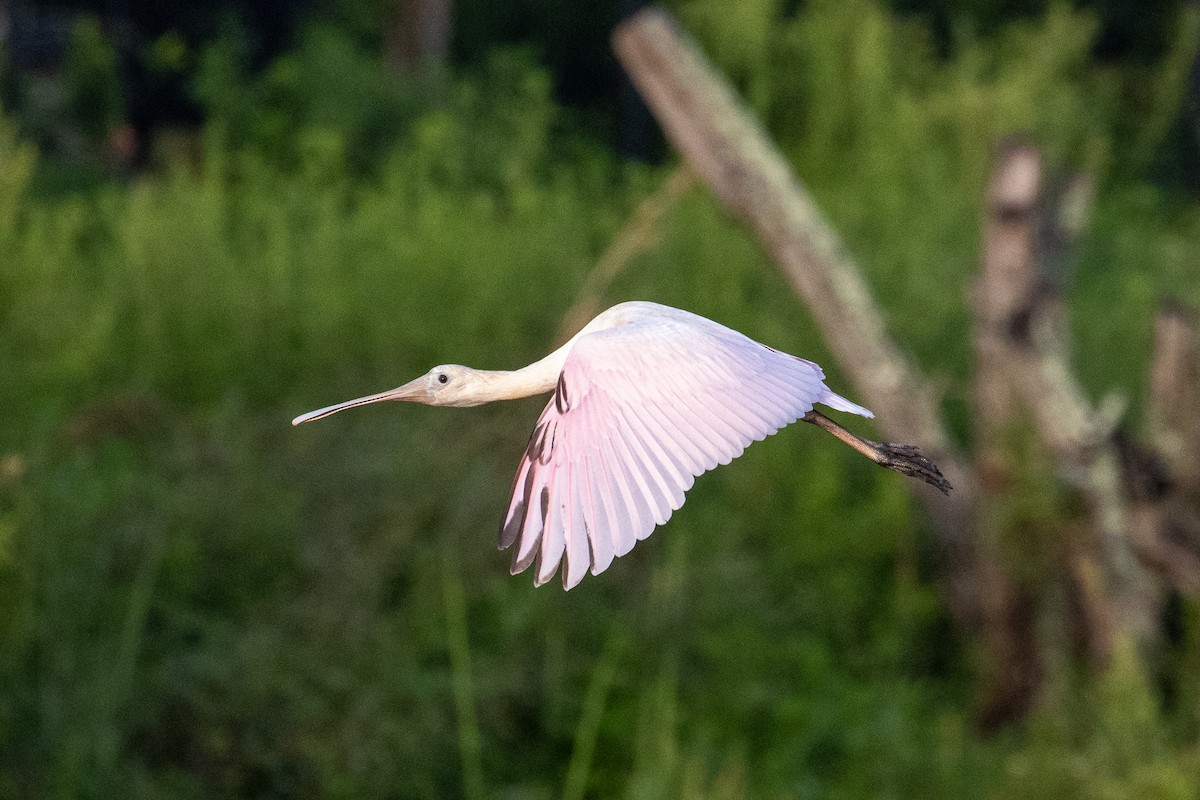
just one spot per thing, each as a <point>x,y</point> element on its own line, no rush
<point>198,600</point>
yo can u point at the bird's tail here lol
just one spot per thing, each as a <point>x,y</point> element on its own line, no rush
<point>839,403</point>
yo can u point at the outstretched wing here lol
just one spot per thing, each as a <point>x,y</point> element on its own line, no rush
<point>639,411</point>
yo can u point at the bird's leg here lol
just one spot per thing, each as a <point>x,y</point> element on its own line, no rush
<point>903,458</point>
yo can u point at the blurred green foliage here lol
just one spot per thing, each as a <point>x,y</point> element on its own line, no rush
<point>70,115</point>
<point>198,600</point>
<point>93,85</point>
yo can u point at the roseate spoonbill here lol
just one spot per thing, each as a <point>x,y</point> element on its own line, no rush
<point>646,398</point>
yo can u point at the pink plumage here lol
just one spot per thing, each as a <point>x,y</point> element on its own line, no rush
<point>645,398</point>
<point>649,398</point>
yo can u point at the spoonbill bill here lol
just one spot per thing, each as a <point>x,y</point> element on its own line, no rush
<point>645,399</point>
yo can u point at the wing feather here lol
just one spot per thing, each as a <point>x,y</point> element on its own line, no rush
<point>552,535</point>
<point>608,507</point>
<point>636,471</point>
<point>642,407</point>
<point>596,517</point>
<point>700,452</point>
<point>624,533</point>
<point>579,550</point>
<point>604,504</point>
<point>661,469</point>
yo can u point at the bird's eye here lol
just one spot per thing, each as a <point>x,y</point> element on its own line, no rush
<point>443,378</point>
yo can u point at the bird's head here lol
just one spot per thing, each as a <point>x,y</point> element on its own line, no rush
<point>444,385</point>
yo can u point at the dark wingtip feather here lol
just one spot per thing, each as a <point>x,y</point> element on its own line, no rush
<point>519,565</point>
<point>510,529</point>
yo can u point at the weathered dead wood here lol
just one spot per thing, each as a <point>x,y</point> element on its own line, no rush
<point>1179,544</point>
<point>1081,439</point>
<point>1174,394</point>
<point>1090,611</point>
<point>1162,481</point>
<point>1164,519</point>
<point>703,118</point>
<point>1021,338</point>
<point>1003,292</point>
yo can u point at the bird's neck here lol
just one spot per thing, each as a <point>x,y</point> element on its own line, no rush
<point>539,377</point>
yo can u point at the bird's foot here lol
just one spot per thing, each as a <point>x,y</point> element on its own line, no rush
<point>903,458</point>
<point>908,460</point>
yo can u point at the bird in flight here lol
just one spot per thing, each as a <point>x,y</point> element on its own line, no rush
<point>645,399</point>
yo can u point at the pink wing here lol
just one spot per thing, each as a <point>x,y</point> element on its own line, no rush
<point>640,410</point>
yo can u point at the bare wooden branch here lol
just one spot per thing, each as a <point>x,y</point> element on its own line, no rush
<point>1090,619</point>
<point>1003,291</point>
<point>1002,294</point>
<point>1022,353</point>
<point>1174,395</point>
<point>1179,542</point>
<point>1162,481</point>
<point>1167,539</point>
